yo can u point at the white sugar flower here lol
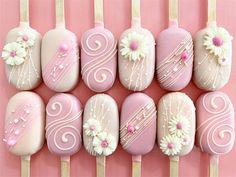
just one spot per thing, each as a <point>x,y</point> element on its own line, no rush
<point>170,145</point>
<point>218,41</point>
<point>134,46</point>
<point>26,38</point>
<point>92,127</point>
<point>104,144</point>
<point>13,54</point>
<point>179,126</point>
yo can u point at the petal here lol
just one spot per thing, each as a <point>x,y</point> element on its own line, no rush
<point>98,149</point>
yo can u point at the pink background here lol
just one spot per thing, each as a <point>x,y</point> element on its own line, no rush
<point>79,17</point>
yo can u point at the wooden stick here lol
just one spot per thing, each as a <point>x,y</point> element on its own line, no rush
<point>136,14</point>
<point>25,166</point>
<point>98,11</point>
<point>173,10</point>
<point>60,16</point>
<point>136,166</point>
<point>174,166</point>
<point>211,11</point>
<point>24,10</point>
<point>101,166</point>
<point>214,163</point>
<point>65,167</point>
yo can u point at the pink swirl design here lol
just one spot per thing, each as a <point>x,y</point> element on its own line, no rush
<point>216,133</point>
<point>98,52</point>
<point>60,64</point>
<point>173,67</point>
<point>143,118</point>
<point>62,131</point>
<point>18,122</point>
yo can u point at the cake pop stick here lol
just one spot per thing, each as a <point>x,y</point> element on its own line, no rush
<point>174,53</point>
<point>138,128</point>
<point>24,127</point>
<point>136,54</point>
<point>215,127</point>
<point>60,60</point>
<point>100,129</point>
<point>98,54</point>
<point>213,54</point>
<point>63,128</point>
<point>176,127</point>
<point>21,53</point>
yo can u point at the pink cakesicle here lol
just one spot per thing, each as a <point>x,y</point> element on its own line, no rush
<point>136,54</point>
<point>101,129</point>
<point>64,126</point>
<point>174,54</point>
<point>213,54</point>
<point>60,56</point>
<point>98,54</point>
<point>176,127</point>
<point>215,126</point>
<point>138,127</point>
<point>21,53</point>
<point>24,127</point>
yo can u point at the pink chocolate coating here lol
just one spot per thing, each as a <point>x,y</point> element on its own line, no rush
<point>64,125</point>
<point>174,58</point>
<point>138,124</point>
<point>215,123</point>
<point>24,124</point>
<point>60,60</point>
<point>98,58</point>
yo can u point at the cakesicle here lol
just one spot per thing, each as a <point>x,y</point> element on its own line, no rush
<point>100,128</point>
<point>24,127</point>
<point>98,54</point>
<point>60,58</point>
<point>136,59</point>
<point>138,127</point>
<point>64,128</point>
<point>21,53</point>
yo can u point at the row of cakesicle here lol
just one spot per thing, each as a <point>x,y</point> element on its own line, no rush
<point>56,58</point>
<point>174,124</point>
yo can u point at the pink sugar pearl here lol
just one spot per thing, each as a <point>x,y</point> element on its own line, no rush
<point>217,41</point>
<point>63,47</point>
<point>130,129</point>
<point>104,144</point>
<point>184,56</point>
<point>170,145</point>
<point>133,45</point>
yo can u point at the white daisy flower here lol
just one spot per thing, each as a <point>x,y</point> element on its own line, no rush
<point>170,145</point>
<point>104,144</point>
<point>26,38</point>
<point>134,46</point>
<point>13,54</point>
<point>218,41</point>
<point>92,127</point>
<point>179,126</point>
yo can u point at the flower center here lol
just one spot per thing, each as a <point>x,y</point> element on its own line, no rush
<point>170,145</point>
<point>104,144</point>
<point>184,56</point>
<point>25,38</point>
<point>133,45</point>
<point>63,47</point>
<point>179,126</point>
<point>13,53</point>
<point>92,127</point>
<point>217,41</point>
<point>130,129</point>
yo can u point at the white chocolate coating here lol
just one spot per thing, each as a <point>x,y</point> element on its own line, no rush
<point>24,124</point>
<point>27,75</point>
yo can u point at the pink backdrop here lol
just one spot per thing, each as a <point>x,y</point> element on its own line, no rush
<point>79,17</point>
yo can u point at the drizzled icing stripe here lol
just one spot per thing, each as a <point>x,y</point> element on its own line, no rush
<point>173,66</point>
<point>23,72</point>
<point>212,131</point>
<point>60,64</point>
<point>19,121</point>
<point>100,57</point>
<point>141,121</point>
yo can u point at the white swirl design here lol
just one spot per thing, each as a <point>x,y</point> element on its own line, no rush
<point>100,47</point>
<point>216,133</point>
